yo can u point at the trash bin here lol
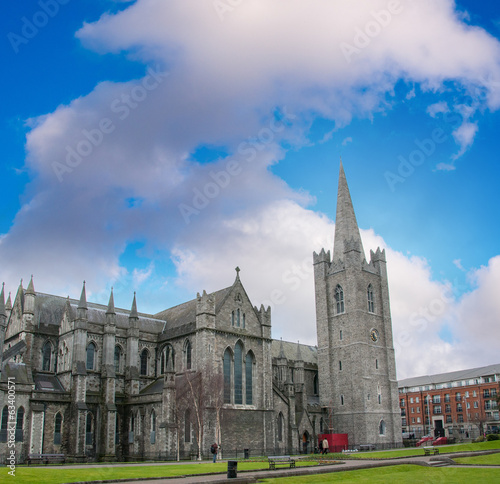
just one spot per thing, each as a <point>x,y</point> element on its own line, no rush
<point>232,469</point>
<point>246,453</point>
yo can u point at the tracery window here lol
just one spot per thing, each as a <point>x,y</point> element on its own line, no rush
<point>339,299</point>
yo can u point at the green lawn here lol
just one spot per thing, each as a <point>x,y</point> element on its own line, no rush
<point>61,474</point>
<point>481,460</point>
<point>390,454</point>
<point>405,473</point>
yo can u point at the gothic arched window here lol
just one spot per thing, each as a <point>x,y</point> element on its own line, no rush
<point>371,303</point>
<point>91,356</point>
<point>249,378</point>
<point>381,428</point>
<point>227,375</point>
<point>187,426</point>
<point>3,424</point>
<point>153,427</point>
<point>144,362</point>
<point>19,424</point>
<point>339,298</point>
<point>315,384</point>
<point>280,427</point>
<point>167,354</point>
<point>89,429</point>
<point>118,355</point>
<point>187,349</point>
<point>238,373</point>
<point>57,428</point>
<point>46,356</point>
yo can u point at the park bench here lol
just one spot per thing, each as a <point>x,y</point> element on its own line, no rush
<point>429,450</point>
<point>280,460</point>
<point>46,458</point>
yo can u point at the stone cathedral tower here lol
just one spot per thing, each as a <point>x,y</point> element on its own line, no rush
<point>356,364</point>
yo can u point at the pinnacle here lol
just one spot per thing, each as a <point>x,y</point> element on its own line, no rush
<point>133,310</point>
<point>83,298</point>
<point>111,304</point>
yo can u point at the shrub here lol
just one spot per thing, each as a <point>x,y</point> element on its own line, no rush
<point>492,437</point>
<point>479,439</point>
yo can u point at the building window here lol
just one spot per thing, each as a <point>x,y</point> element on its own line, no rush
<point>341,399</point>
<point>340,335</point>
<point>118,354</point>
<point>117,428</point>
<point>446,397</point>
<point>447,408</point>
<point>90,356</point>
<point>187,426</point>
<point>227,375</point>
<point>46,356</point>
<point>448,418</point>
<point>131,429</point>
<point>153,427</point>
<point>376,364</point>
<point>381,428</point>
<point>476,404</point>
<point>144,362</point>
<point>249,378</point>
<point>340,366</point>
<point>188,352</point>
<point>232,318</point>
<point>460,418</point>
<point>379,398</point>
<point>437,410</point>
<point>486,393</point>
<point>89,440</point>
<point>280,427</point>
<point>167,354</point>
<point>403,422</point>
<point>315,384</point>
<point>411,400</point>
<point>417,399</point>
<point>436,399</point>
<point>3,425</point>
<point>57,428</point>
<point>238,373</point>
<point>19,424</point>
<point>243,320</point>
<point>238,318</point>
<point>339,299</point>
<point>459,407</point>
<point>371,305</point>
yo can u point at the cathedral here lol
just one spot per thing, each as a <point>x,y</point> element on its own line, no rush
<point>96,382</point>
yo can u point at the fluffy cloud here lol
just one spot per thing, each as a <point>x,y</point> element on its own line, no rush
<point>117,165</point>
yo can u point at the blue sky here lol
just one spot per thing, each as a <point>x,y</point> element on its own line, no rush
<point>254,105</point>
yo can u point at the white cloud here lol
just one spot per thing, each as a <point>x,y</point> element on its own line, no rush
<point>226,85</point>
<point>437,108</point>
<point>347,140</point>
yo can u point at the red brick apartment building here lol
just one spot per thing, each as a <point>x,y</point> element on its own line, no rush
<point>460,404</point>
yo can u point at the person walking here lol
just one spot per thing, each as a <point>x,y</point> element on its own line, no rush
<point>326,446</point>
<point>214,449</point>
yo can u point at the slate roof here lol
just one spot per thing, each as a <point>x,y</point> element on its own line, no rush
<point>309,353</point>
<point>451,376</point>
<point>47,383</point>
<point>49,310</point>
<point>19,371</point>
<point>155,387</point>
<point>185,313</point>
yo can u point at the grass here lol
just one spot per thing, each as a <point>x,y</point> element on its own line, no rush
<point>407,452</point>
<point>408,474</point>
<point>480,460</point>
<point>61,474</point>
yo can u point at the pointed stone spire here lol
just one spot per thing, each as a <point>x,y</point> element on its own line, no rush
<point>282,351</point>
<point>31,287</point>
<point>346,227</point>
<point>2,302</point>
<point>133,311</point>
<point>111,304</point>
<point>83,298</point>
<point>8,304</point>
<point>237,269</point>
<point>298,356</point>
